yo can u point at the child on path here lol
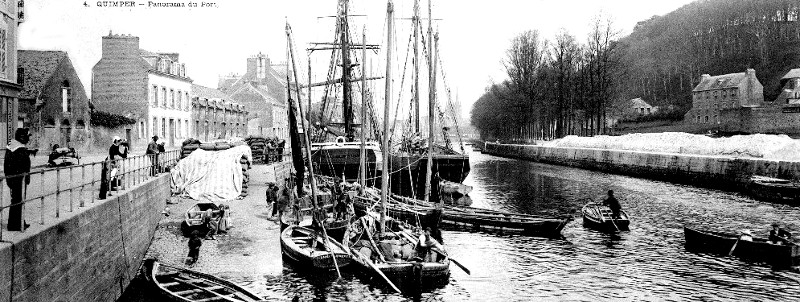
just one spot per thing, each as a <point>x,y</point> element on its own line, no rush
<point>194,247</point>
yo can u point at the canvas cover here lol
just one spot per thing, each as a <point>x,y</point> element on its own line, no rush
<point>212,176</point>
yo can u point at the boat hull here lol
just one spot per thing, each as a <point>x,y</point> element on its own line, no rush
<point>336,161</point>
<point>409,171</point>
<point>594,219</point>
<point>294,247</point>
<point>183,285</point>
<point>758,250</point>
<point>774,190</point>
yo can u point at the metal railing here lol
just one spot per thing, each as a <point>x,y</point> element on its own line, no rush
<point>53,191</point>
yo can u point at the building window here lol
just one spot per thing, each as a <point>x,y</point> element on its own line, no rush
<point>706,119</point>
<point>179,100</point>
<point>733,93</point>
<point>66,97</point>
<point>163,100</point>
<point>4,49</point>
<point>197,129</point>
<point>141,130</point>
<point>178,133</point>
<point>186,97</point>
<point>648,110</point>
<point>154,95</point>
<point>716,118</point>
<point>164,127</point>
<point>155,126</point>
<point>171,103</point>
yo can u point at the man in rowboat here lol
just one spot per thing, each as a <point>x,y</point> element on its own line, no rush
<point>779,236</point>
<point>426,244</point>
<point>613,204</point>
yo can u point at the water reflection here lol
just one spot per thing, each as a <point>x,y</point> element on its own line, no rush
<point>646,263</point>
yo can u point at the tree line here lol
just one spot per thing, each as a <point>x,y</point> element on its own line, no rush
<point>564,87</point>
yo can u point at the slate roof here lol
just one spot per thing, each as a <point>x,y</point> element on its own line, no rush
<point>207,92</point>
<point>38,66</point>
<point>792,74</point>
<point>639,102</point>
<point>730,80</point>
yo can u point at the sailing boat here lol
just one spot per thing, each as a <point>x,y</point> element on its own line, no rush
<point>341,158</point>
<point>417,171</point>
<point>388,246</point>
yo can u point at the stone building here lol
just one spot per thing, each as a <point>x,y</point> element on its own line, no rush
<point>53,102</point>
<point>262,89</point>
<point>781,115</point>
<point>12,16</point>
<point>215,116</point>
<point>715,94</point>
<point>152,88</point>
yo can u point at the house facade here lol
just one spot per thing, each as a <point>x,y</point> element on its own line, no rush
<point>215,116</point>
<point>716,96</point>
<point>53,101</point>
<point>151,88</point>
<point>12,16</point>
<point>262,90</point>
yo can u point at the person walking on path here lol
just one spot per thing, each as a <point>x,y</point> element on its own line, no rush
<point>152,152</point>
<point>17,162</point>
<point>613,204</point>
<point>194,247</point>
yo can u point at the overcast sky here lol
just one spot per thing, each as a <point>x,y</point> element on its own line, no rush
<point>216,40</point>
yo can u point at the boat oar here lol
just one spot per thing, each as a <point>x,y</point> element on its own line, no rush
<point>330,250</point>
<point>464,268</point>
<point>371,265</point>
<point>734,245</point>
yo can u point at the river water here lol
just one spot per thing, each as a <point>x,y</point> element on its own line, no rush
<point>647,263</point>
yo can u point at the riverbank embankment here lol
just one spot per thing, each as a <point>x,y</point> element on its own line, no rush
<point>717,172</point>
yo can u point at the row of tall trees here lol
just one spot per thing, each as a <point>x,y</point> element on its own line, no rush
<point>565,86</point>
<point>554,88</point>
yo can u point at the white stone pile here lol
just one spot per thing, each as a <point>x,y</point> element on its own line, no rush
<point>776,147</point>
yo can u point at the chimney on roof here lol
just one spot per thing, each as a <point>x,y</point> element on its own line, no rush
<point>258,66</point>
<point>117,46</point>
<point>750,73</point>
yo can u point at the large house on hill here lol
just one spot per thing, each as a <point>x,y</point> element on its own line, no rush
<point>152,88</point>
<point>53,102</point>
<point>715,94</point>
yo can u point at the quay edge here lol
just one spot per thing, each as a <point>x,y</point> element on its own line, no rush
<point>715,172</point>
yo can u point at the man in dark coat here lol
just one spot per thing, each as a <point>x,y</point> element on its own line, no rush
<point>613,204</point>
<point>152,151</point>
<point>17,161</point>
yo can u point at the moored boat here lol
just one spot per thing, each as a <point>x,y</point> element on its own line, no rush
<point>758,250</point>
<point>599,217</point>
<point>183,285</point>
<point>414,211</point>
<point>307,247</point>
<point>773,189</point>
<point>394,252</point>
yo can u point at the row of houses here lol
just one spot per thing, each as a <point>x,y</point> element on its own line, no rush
<point>151,88</point>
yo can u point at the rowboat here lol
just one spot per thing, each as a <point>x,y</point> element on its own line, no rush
<point>773,189</point>
<point>757,250</point>
<point>482,219</point>
<point>599,217</point>
<point>183,285</point>
<point>394,252</point>
<point>307,247</point>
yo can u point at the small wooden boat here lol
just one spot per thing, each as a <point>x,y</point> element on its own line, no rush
<point>599,217</point>
<point>758,250</point>
<point>394,253</point>
<point>773,189</point>
<point>183,285</point>
<point>307,247</point>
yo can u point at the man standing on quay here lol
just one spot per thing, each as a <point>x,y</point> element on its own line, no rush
<point>17,162</point>
<point>152,152</point>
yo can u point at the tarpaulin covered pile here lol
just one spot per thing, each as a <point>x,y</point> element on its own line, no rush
<point>212,176</point>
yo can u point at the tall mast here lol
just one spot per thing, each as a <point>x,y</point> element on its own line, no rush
<point>347,105</point>
<point>362,164</point>
<point>415,19</point>
<point>387,100</point>
<point>431,99</point>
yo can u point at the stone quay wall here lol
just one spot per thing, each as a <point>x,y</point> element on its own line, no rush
<point>89,255</point>
<point>718,172</point>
